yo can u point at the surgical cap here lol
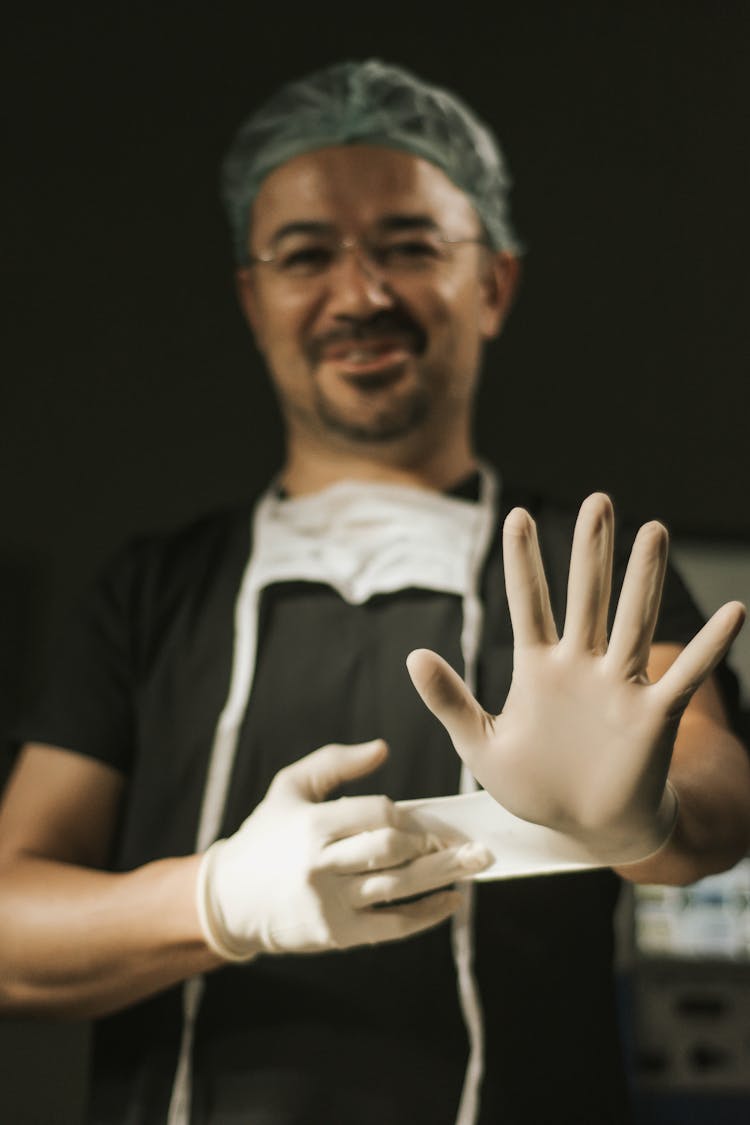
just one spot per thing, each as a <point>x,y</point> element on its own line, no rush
<point>375,103</point>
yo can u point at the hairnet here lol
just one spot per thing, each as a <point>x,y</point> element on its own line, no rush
<point>369,102</point>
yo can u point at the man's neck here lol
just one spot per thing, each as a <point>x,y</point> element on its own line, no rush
<point>309,470</point>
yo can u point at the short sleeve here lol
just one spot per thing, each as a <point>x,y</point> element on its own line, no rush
<point>679,617</point>
<point>86,702</point>
<point>679,620</point>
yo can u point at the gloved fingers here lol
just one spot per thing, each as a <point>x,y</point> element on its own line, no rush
<point>699,658</point>
<point>638,607</point>
<point>424,874</point>
<point>375,850</point>
<point>443,691</point>
<point>590,576</point>
<point>352,816</point>
<point>395,922</point>
<point>311,778</point>
<point>525,582</point>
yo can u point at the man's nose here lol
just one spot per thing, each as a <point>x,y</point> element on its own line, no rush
<point>356,285</point>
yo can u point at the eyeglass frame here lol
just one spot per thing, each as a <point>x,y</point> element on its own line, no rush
<point>349,243</point>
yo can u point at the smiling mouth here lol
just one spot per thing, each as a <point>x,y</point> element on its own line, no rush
<point>360,358</point>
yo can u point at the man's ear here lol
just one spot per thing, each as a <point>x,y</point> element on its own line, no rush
<point>244,281</point>
<point>500,275</point>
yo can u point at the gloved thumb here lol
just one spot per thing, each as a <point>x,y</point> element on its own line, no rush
<point>313,777</point>
<point>449,699</point>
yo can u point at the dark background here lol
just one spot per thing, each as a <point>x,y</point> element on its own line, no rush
<point>131,395</point>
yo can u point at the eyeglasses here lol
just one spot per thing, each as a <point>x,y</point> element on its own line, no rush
<point>310,258</point>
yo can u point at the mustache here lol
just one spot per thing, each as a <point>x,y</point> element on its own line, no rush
<point>379,327</point>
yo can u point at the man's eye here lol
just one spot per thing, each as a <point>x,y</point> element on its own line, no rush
<point>307,259</point>
<point>413,250</point>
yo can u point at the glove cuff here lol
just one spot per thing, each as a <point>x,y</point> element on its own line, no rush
<point>666,822</point>
<point>669,812</point>
<point>214,932</point>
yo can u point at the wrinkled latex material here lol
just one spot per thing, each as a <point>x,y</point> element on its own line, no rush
<point>519,849</point>
<point>375,103</point>
<point>305,875</point>
<point>584,742</point>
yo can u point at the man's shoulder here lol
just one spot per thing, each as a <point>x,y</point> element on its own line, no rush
<point>555,516</point>
<point>550,511</point>
<point>199,535</point>
<point>186,554</point>
<point>555,513</point>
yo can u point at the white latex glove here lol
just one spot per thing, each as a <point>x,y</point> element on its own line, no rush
<point>302,874</point>
<point>584,742</point>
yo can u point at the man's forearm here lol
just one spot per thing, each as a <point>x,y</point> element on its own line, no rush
<point>713,826</point>
<point>80,943</point>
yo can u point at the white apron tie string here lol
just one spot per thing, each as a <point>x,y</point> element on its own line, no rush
<point>362,539</point>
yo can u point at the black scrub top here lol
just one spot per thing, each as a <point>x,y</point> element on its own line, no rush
<point>369,1036</point>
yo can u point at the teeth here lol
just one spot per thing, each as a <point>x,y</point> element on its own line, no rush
<point>362,355</point>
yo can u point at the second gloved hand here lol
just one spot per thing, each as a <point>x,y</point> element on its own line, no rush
<point>303,874</point>
<point>584,742</point>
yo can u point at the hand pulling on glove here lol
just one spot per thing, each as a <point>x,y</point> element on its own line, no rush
<point>584,742</point>
<point>303,874</point>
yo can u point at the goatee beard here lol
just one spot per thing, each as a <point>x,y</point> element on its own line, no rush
<point>390,425</point>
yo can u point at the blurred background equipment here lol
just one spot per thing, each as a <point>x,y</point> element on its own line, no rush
<point>687,949</point>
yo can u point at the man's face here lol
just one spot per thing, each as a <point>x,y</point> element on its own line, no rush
<point>380,340</point>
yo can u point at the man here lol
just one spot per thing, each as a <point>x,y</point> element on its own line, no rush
<point>222,682</point>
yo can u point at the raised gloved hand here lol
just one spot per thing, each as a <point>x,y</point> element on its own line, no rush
<point>584,742</point>
<point>302,874</point>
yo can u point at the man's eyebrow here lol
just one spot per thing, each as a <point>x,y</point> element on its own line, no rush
<point>403,221</point>
<point>302,226</point>
<point>386,223</point>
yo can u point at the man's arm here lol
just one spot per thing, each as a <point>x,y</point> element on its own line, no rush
<point>301,874</point>
<point>710,772</point>
<point>75,940</point>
